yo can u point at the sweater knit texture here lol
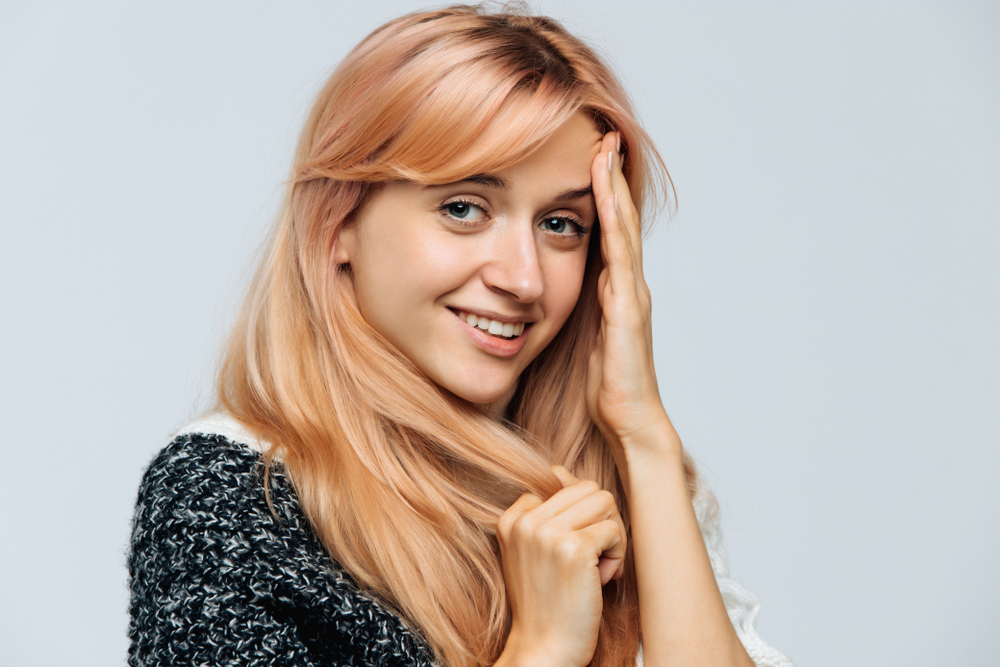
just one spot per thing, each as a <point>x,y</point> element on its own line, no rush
<point>217,579</point>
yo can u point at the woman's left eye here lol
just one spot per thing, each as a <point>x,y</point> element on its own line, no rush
<point>463,210</point>
<point>561,226</point>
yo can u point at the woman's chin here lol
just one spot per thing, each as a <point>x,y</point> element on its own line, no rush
<point>492,401</point>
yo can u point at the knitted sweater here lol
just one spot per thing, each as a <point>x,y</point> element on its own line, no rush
<point>216,579</point>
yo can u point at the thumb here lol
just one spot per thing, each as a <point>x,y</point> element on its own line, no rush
<point>565,476</point>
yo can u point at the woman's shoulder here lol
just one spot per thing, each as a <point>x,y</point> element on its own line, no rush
<point>214,566</point>
<point>209,496</point>
<point>212,472</point>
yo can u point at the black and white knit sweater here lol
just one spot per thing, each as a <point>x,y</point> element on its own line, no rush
<point>217,580</point>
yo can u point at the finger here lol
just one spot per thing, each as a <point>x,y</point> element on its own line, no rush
<point>615,246</point>
<point>626,208</point>
<point>623,224</point>
<point>616,239</point>
<point>518,508</point>
<point>525,503</point>
<point>601,171</point>
<point>607,178</point>
<point>610,568</point>
<point>539,513</point>
<point>601,168</point>
<point>623,293</point>
<point>608,543</point>
<point>564,501</point>
<point>588,510</point>
<point>565,476</point>
<point>597,506</point>
<point>602,281</point>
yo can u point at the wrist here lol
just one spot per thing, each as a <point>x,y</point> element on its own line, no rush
<point>519,651</point>
<point>657,438</point>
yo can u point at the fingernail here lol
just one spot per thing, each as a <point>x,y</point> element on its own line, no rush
<point>616,201</point>
<point>609,160</point>
<point>618,142</point>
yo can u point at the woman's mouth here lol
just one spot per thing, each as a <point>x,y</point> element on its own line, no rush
<point>492,327</point>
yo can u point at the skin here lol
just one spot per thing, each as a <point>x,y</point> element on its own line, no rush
<point>414,265</point>
<point>503,245</point>
<point>682,616</point>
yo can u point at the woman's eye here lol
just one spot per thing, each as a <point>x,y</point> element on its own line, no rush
<point>559,226</point>
<point>463,210</point>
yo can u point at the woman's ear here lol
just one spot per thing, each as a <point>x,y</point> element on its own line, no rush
<point>343,247</point>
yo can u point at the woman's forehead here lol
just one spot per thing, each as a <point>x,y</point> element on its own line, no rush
<point>491,157</point>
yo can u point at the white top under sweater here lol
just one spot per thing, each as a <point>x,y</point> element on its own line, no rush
<point>741,604</point>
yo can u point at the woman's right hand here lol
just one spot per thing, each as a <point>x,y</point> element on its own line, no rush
<point>556,557</point>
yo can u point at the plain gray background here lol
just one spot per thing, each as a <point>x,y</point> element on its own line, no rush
<point>826,296</point>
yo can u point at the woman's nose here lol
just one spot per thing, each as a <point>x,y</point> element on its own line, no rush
<point>514,266</point>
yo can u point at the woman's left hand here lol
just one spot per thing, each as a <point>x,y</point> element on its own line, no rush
<point>682,615</point>
<point>622,393</point>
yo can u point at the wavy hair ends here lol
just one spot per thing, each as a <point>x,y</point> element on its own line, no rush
<point>402,481</point>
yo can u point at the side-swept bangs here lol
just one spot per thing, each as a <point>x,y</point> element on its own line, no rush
<point>448,99</point>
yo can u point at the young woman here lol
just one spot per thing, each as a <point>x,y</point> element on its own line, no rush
<point>439,436</point>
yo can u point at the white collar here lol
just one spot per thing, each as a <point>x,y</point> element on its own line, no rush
<point>222,423</point>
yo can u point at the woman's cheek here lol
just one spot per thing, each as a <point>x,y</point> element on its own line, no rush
<point>564,282</point>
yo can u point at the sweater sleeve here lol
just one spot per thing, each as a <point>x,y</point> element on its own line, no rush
<point>741,604</point>
<point>191,568</point>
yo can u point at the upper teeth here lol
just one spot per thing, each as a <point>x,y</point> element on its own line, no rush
<point>508,330</point>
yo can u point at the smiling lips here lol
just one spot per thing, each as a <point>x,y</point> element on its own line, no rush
<point>493,327</point>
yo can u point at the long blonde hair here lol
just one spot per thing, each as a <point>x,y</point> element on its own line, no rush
<point>402,481</point>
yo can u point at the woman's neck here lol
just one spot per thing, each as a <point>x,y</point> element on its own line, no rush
<point>498,408</point>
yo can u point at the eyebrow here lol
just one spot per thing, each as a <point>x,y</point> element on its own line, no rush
<point>499,183</point>
<point>489,180</point>
<point>586,191</point>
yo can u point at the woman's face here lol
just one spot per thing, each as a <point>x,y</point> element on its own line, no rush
<point>471,280</point>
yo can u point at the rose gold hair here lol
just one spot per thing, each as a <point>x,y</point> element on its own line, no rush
<point>402,481</point>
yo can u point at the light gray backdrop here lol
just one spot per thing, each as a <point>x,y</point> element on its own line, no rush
<point>826,297</point>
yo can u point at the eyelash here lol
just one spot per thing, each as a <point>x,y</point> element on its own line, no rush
<point>443,209</point>
<point>581,229</point>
